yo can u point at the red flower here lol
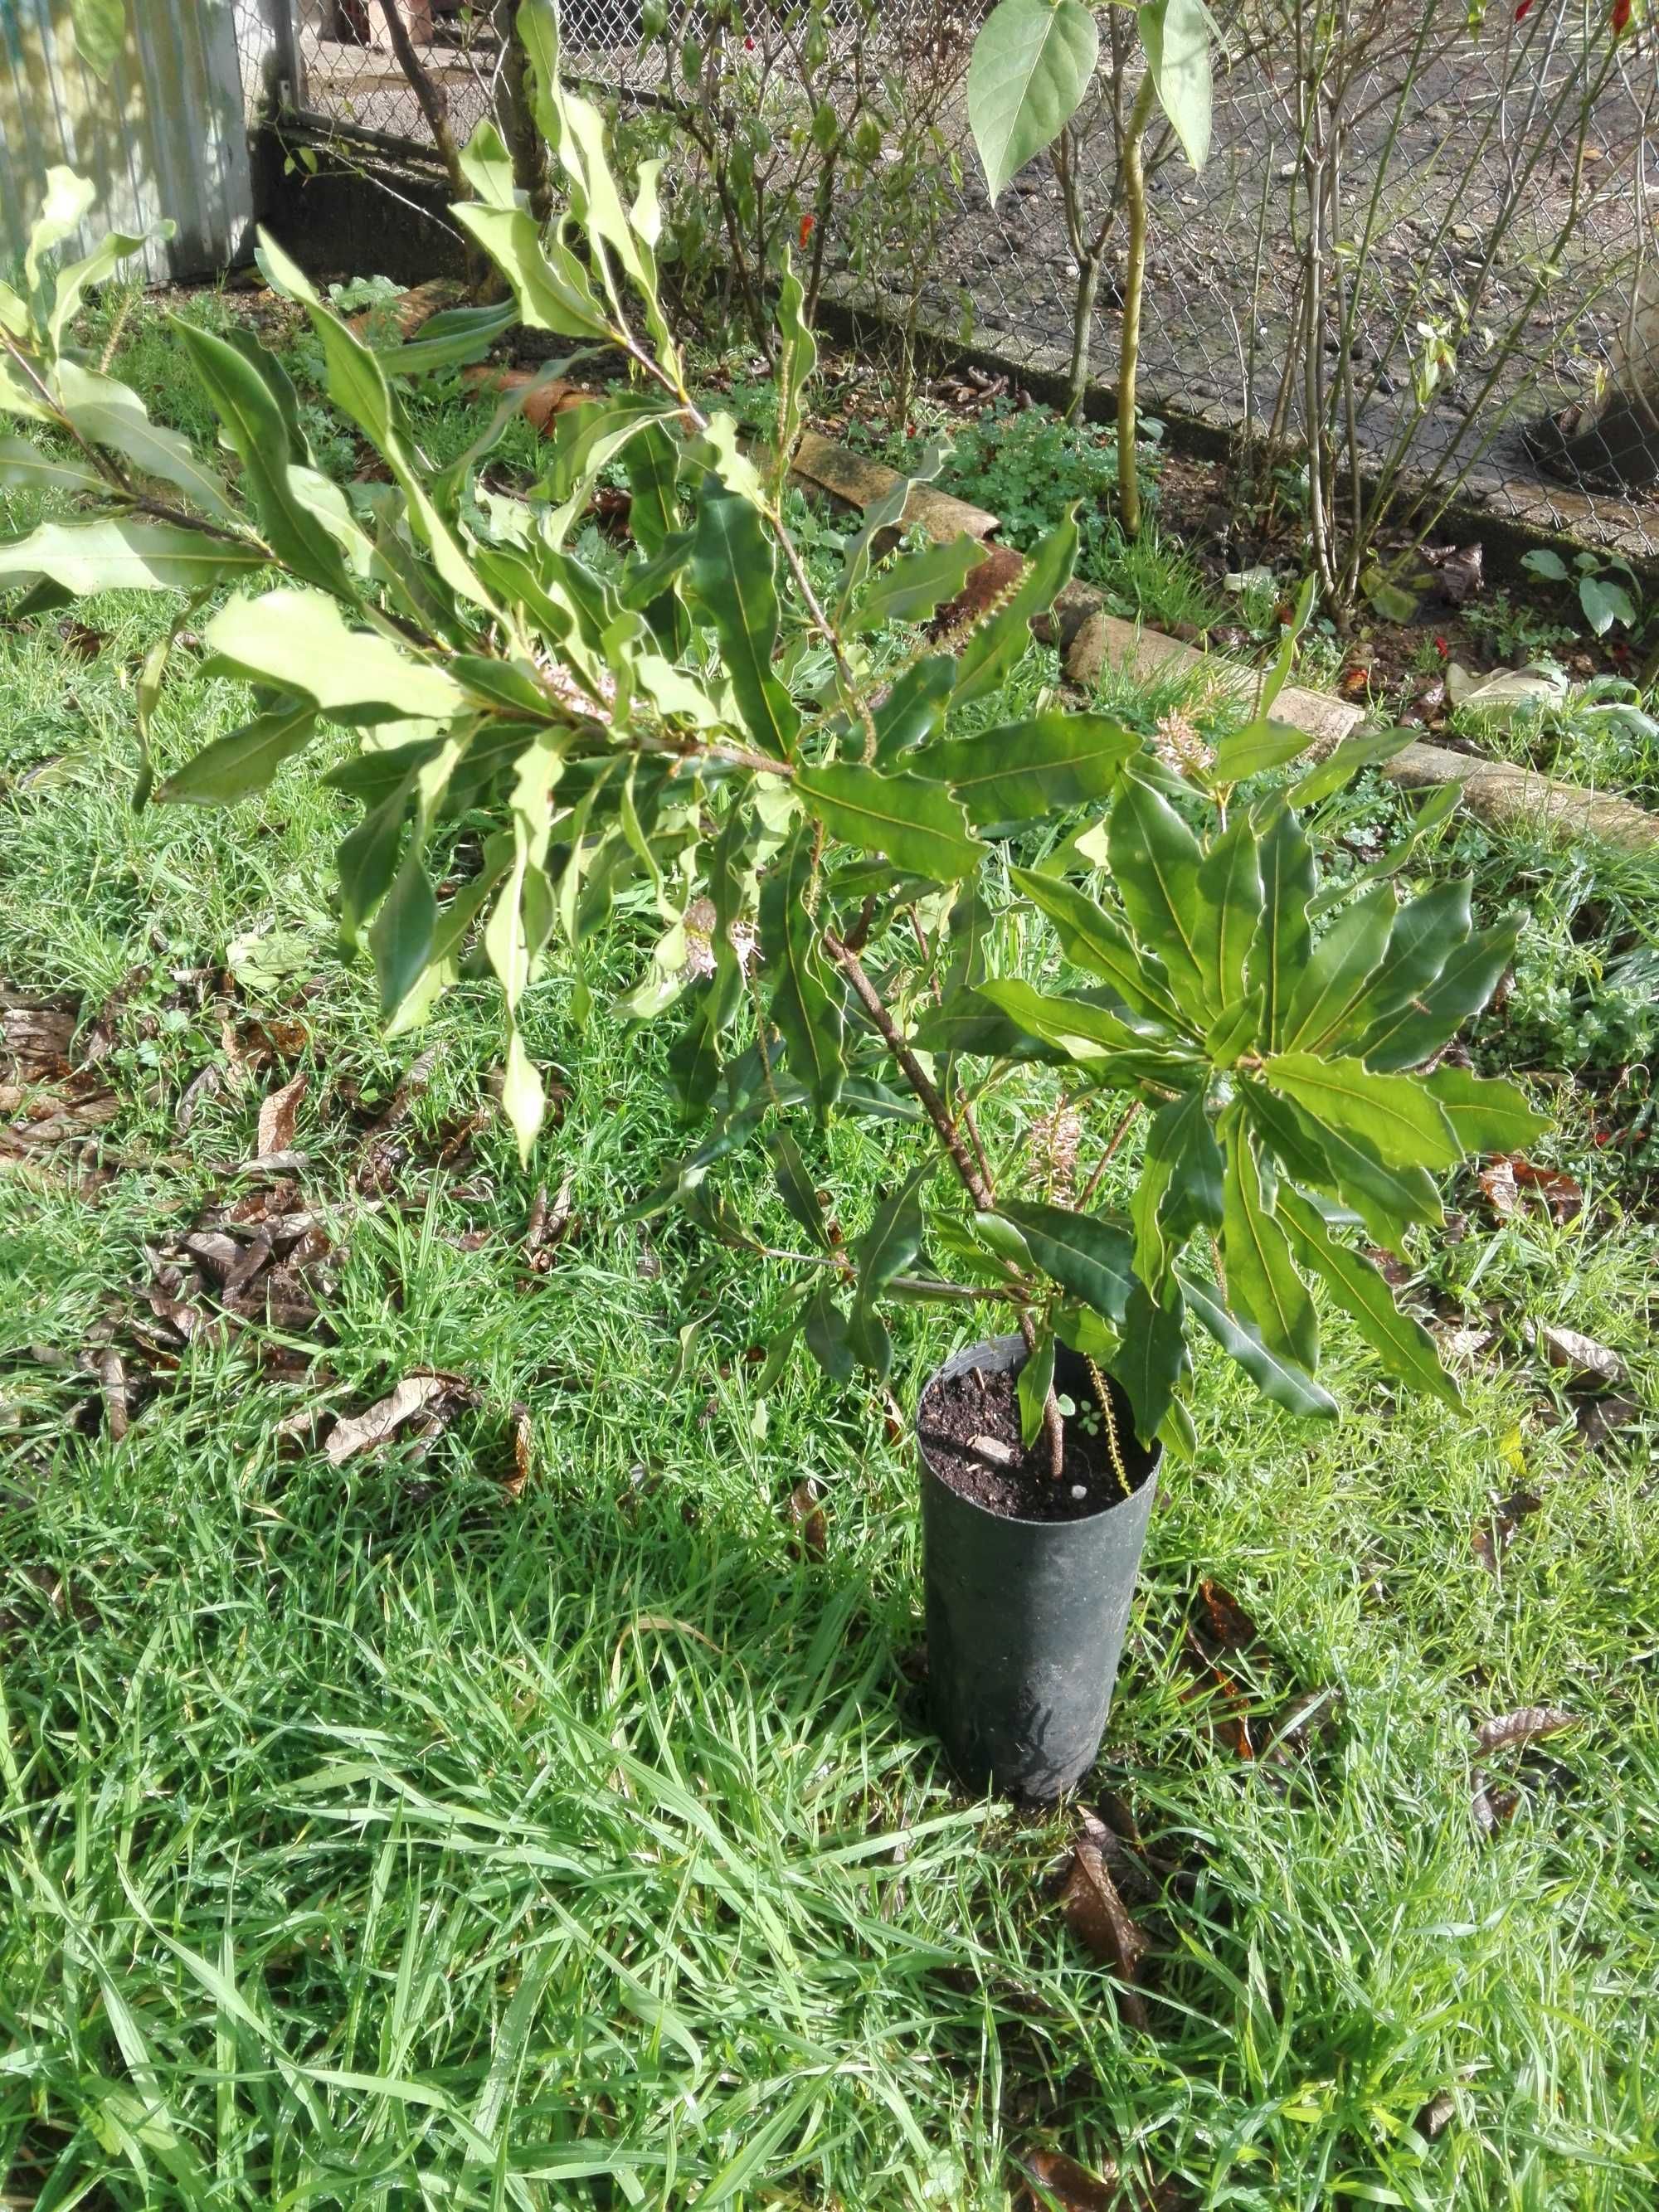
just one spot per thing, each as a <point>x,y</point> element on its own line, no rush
<point>1523,11</point>
<point>749,44</point>
<point>1443,648</point>
<point>809,224</point>
<point>1621,12</point>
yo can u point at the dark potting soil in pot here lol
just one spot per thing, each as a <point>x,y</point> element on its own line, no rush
<point>959,1410</point>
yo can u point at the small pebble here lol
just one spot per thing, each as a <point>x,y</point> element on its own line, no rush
<point>1079,1490</point>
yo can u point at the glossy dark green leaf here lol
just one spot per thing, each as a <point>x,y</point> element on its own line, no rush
<point>1278,1379</point>
<point>884,513</point>
<point>1180,1188</point>
<point>449,340</point>
<point>1465,980</point>
<point>889,1246</point>
<point>1236,1030</point>
<point>368,860</point>
<point>1426,930</point>
<point>732,572</point>
<point>1082,1031</point>
<point>1326,1003</point>
<point>1438,807</point>
<point>970,1025</point>
<point>828,1337</point>
<point>806,1002</point>
<point>1000,642</point>
<point>651,461</point>
<point>1388,1200</point>
<point>401,935</point>
<point>1393,1114</point>
<point>507,684</point>
<point>915,824</point>
<point>1343,763</point>
<point>1407,1350</point>
<point>1229,910</point>
<point>237,765</point>
<point>1036,1379</point>
<point>795,1186</point>
<point>1021,771</point>
<point>1262,1283</point>
<point>1155,861</point>
<point>1091,1259</point>
<point>915,708</point>
<point>1486,1116</point>
<point>1284,941</point>
<point>1092,940</point>
<point>1152,1356</point>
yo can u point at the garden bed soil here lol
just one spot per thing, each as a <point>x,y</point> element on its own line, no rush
<point>958,1410</point>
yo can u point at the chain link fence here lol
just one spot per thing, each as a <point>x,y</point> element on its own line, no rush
<point>1420,248</point>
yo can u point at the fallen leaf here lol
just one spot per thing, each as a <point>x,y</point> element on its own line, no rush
<point>1523,1726</point>
<point>112,1385</point>
<point>361,1431</point>
<point>1460,571</point>
<point>808,1520</point>
<point>1462,1343</point>
<point>1565,1347</point>
<point>1098,1917</point>
<point>1431,2120</point>
<point>1498,1184</point>
<point>524,1460</point>
<point>548,1225</point>
<point>1599,1419</point>
<point>1491,1808</point>
<point>206,1083</point>
<point>1230,1625</point>
<point>1057,2180</point>
<point>277,1114</point>
<point>1562,1193</point>
<point>1218,1681</point>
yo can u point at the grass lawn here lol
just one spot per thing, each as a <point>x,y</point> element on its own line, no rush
<point>540,1811</point>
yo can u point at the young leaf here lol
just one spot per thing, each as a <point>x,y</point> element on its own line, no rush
<point>1407,1350</point>
<point>1262,1283</point>
<point>731,572</point>
<point>1277,1378</point>
<point>1333,990</point>
<point>1088,1257</point>
<point>916,824</point>
<point>1155,865</point>
<point>1280,950</point>
<point>1031,65</point>
<point>1176,34</point>
<point>234,767</point>
<point>1021,771</point>
<point>1036,1379</point>
<point>1262,745</point>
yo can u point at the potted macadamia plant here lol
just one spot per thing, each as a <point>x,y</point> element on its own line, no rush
<point>822,847</point>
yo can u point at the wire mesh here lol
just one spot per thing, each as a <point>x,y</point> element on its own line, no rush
<point>1488,328</point>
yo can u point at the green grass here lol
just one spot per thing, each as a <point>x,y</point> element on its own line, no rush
<point>391,1833</point>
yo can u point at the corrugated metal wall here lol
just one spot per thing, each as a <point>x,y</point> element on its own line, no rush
<point>166,137</point>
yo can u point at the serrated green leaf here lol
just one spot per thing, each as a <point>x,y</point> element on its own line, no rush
<point>1282,943</point>
<point>1407,1350</point>
<point>242,763</point>
<point>24,467</point>
<point>732,572</point>
<point>1278,1379</point>
<point>1262,1283</point>
<point>1155,861</point>
<point>915,708</point>
<point>1387,1199</point>
<point>126,553</point>
<point>1425,932</point>
<point>1485,1115</point>
<point>807,1004</point>
<point>915,585</point>
<point>1152,1356</point>
<point>1393,1114</point>
<point>1021,771</point>
<point>1466,979</point>
<point>1092,940</point>
<point>916,825</point>
<point>1030,67</point>
<point>1327,1003</point>
<point>1091,1259</point>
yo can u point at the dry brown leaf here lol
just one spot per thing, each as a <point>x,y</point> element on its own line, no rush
<point>1435,2115</point>
<point>548,1225</point>
<point>1060,2181</point>
<point>1491,1808</point>
<point>1100,1920</point>
<point>1229,1624</point>
<point>277,1112</point>
<point>808,1519</point>
<point>1501,1190</point>
<point>1565,1347</point>
<point>523,1455</point>
<point>112,1385</point>
<point>362,1431</point>
<point>1505,1730</point>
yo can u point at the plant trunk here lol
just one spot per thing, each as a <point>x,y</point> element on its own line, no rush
<point>1083,324</point>
<point>524,139</point>
<point>432,99</point>
<point>1134,279</point>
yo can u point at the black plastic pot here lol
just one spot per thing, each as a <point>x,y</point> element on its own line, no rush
<point>1025,1618</point>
